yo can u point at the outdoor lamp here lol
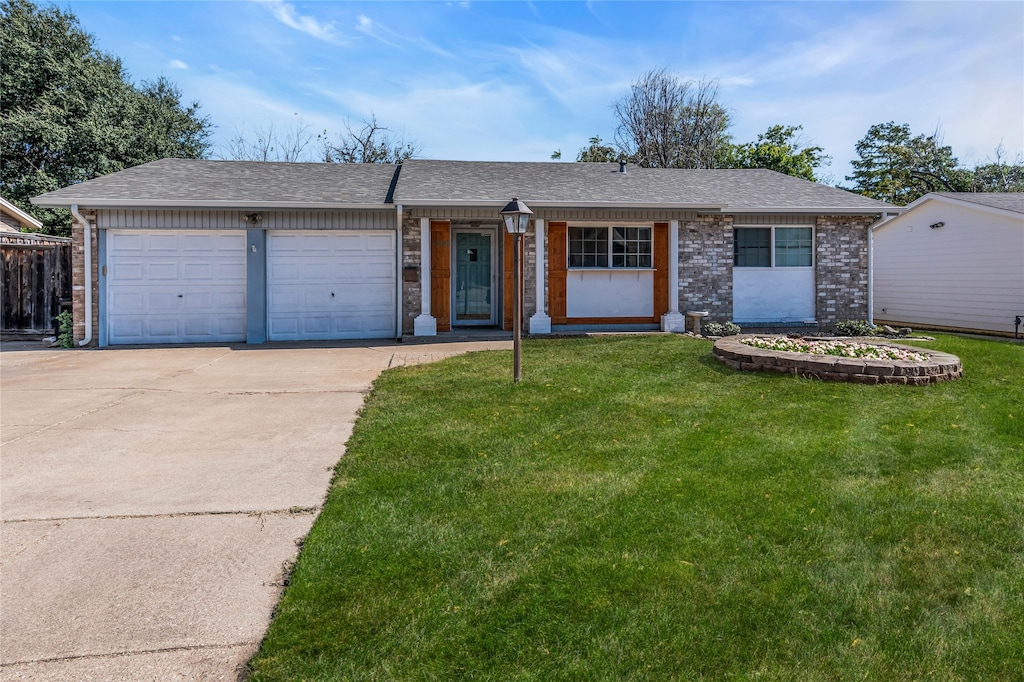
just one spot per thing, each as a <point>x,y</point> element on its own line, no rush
<point>516,215</point>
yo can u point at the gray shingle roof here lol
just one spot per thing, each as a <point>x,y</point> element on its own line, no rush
<point>1008,201</point>
<point>189,182</point>
<point>601,183</point>
<point>231,183</point>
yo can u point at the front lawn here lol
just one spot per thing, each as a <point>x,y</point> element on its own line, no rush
<point>634,510</point>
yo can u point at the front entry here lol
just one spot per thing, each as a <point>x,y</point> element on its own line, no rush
<point>475,261</point>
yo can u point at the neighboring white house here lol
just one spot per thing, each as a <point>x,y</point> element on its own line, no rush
<point>952,260</point>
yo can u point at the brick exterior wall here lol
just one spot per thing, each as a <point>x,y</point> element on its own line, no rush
<point>411,252</point>
<point>705,266</point>
<point>529,274</point>
<point>78,279</point>
<point>841,269</point>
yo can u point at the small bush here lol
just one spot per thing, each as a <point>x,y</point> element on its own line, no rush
<point>719,329</point>
<point>66,330</point>
<point>855,328</point>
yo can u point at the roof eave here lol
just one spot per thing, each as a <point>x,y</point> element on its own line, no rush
<point>86,202</point>
<point>20,215</point>
<point>436,203</point>
<point>821,210</point>
<point>963,203</point>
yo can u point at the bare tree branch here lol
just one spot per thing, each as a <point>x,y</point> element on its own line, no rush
<point>371,143</point>
<point>668,123</point>
<point>269,144</point>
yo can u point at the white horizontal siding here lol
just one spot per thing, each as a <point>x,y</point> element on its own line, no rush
<point>969,273</point>
<point>219,220</point>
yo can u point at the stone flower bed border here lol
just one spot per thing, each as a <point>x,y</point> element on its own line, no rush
<point>938,367</point>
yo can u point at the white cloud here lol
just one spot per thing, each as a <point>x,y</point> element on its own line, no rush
<point>396,39</point>
<point>286,13</point>
<point>178,64</point>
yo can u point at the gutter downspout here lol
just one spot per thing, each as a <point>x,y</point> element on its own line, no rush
<point>398,274</point>
<point>871,265</point>
<point>88,274</point>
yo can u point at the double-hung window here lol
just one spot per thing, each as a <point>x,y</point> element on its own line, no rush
<point>628,247</point>
<point>773,247</point>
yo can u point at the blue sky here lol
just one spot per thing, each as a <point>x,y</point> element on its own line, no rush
<point>516,81</point>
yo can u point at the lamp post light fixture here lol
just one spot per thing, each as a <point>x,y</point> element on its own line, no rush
<point>516,216</point>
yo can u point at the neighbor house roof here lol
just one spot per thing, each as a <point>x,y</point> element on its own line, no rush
<point>1007,201</point>
<point>232,184</point>
<point>249,184</point>
<point>15,215</point>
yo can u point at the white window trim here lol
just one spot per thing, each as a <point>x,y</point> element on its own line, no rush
<point>771,247</point>
<point>608,231</point>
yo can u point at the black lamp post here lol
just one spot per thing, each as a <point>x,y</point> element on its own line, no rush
<point>516,216</point>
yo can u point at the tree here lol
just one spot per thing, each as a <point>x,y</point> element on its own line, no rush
<point>71,113</point>
<point>269,144</point>
<point>668,123</point>
<point>898,168</point>
<point>372,143</point>
<point>999,175</point>
<point>597,152</point>
<point>778,149</point>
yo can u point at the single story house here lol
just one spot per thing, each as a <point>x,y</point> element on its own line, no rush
<point>952,260</point>
<point>184,251</point>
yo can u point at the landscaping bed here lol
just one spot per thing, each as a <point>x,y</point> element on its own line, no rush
<point>864,361</point>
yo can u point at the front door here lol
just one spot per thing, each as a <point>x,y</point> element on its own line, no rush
<point>474,255</point>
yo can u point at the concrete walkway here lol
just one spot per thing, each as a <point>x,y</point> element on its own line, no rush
<point>152,498</point>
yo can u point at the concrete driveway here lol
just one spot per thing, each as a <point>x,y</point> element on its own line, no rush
<point>151,498</point>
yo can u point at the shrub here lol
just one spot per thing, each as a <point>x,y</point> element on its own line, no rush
<point>66,330</point>
<point>719,329</point>
<point>855,328</point>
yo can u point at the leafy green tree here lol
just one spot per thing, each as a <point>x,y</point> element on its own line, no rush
<point>71,113</point>
<point>597,152</point>
<point>898,168</point>
<point>999,175</point>
<point>778,149</point>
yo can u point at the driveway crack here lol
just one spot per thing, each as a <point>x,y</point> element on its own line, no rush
<point>121,654</point>
<point>290,511</point>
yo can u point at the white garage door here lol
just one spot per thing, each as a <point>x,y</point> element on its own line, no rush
<point>167,286</point>
<point>330,285</point>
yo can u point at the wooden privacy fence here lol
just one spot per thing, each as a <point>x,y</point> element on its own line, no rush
<point>36,272</point>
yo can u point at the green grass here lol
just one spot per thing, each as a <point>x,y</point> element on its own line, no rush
<point>634,510</point>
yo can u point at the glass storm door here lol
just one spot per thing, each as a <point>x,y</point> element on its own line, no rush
<point>474,273</point>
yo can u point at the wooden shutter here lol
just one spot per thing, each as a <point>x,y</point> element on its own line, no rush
<point>558,264</point>
<point>441,274</point>
<point>662,262</point>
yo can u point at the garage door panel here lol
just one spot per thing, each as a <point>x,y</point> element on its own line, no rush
<point>378,243</point>
<point>331,285</point>
<point>175,286</point>
<point>126,327</point>
<point>164,271</point>
<point>159,301</point>
<point>162,242</point>
<point>166,329</point>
